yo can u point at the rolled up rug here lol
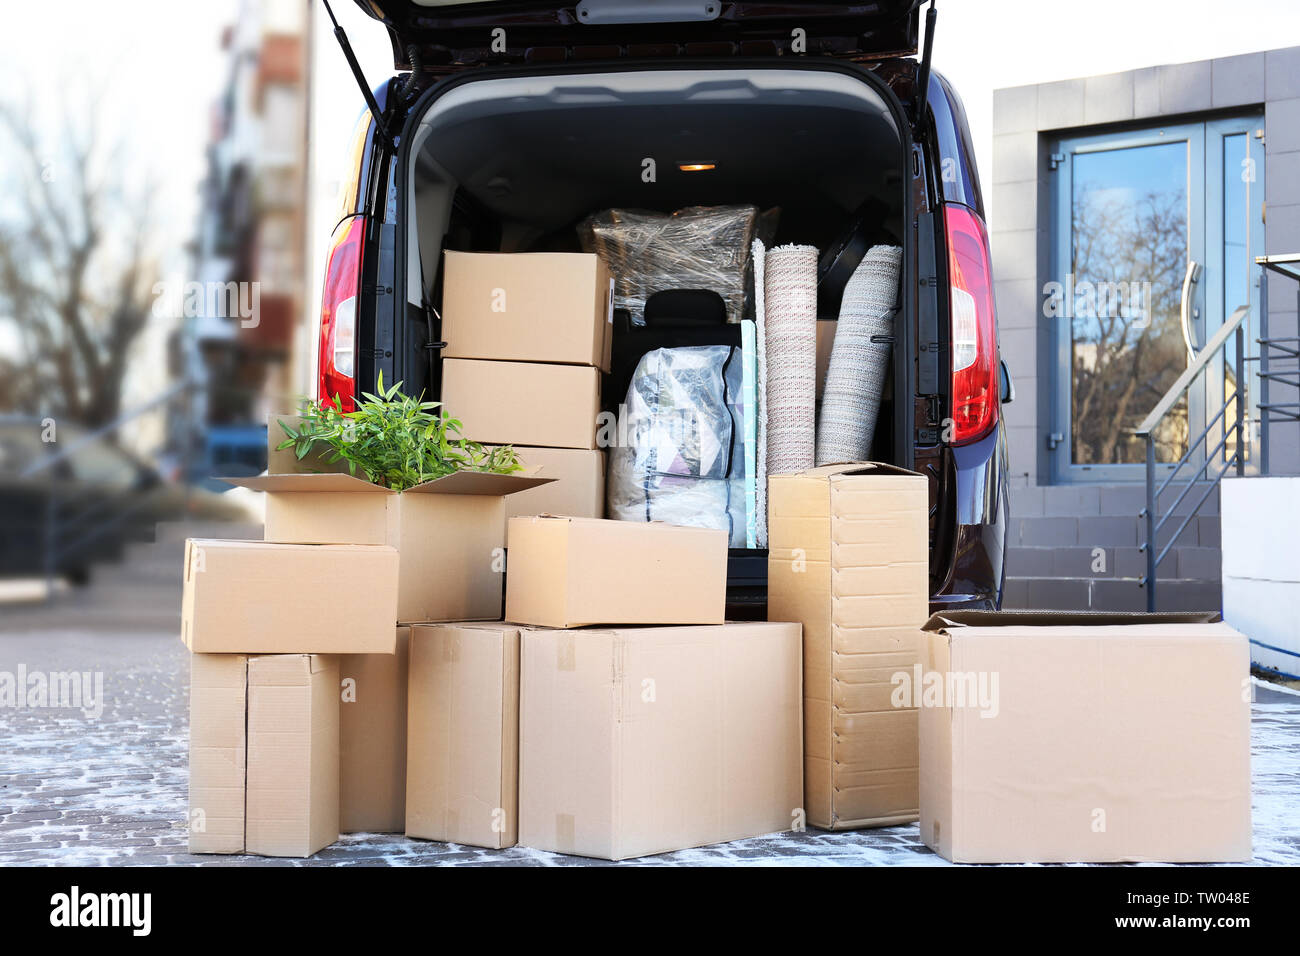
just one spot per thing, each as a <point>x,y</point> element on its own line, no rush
<point>855,378</point>
<point>759,255</point>
<point>790,317</point>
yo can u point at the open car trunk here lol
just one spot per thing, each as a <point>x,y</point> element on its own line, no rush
<point>500,163</point>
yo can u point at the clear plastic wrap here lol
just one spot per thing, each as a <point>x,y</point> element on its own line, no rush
<point>701,247</point>
<point>683,461</point>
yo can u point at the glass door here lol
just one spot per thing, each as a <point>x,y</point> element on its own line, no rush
<point>1154,237</point>
<point>1127,298</point>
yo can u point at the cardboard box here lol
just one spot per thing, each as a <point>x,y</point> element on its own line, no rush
<point>825,342</point>
<point>572,572</point>
<point>848,558</point>
<point>578,489</point>
<point>447,532</point>
<point>1073,737</point>
<point>523,403</point>
<point>255,597</point>
<point>292,803</point>
<point>636,741</point>
<point>218,755</point>
<point>372,740</point>
<point>463,755</point>
<point>528,307</point>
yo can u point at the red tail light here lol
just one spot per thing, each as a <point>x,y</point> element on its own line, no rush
<point>975,378</point>
<point>338,315</point>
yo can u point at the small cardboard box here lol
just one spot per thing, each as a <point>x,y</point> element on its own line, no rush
<point>254,597</point>
<point>636,741</point>
<point>572,572</point>
<point>528,307</point>
<point>463,751</point>
<point>372,740</point>
<point>1060,737</point>
<point>523,403</point>
<point>218,752</point>
<point>447,532</point>
<point>848,558</point>
<point>578,489</point>
<point>264,744</point>
<point>292,803</point>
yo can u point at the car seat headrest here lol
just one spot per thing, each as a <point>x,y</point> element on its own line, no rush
<point>676,307</point>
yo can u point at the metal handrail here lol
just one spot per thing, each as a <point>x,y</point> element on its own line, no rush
<point>1185,380</point>
<point>1146,431</point>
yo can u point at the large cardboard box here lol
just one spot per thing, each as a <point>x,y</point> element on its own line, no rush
<point>523,403</point>
<point>264,746</point>
<point>1073,737</point>
<point>218,752</point>
<point>372,740</point>
<point>259,598</point>
<point>447,532</point>
<point>528,307</point>
<point>463,753</point>
<point>292,803</point>
<point>848,559</point>
<point>635,741</point>
<point>572,572</point>
<point>578,489</point>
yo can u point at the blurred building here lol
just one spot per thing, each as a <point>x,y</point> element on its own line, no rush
<point>250,248</point>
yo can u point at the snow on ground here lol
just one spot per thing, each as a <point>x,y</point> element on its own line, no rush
<point>112,790</point>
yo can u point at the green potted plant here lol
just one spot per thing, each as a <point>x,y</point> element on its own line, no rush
<point>393,439</point>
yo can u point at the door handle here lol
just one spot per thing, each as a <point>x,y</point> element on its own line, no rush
<point>1185,310</point>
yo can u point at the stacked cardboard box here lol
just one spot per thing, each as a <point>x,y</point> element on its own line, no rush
<point>848,559</point>
<point>299,674</point>
<point>606,741</point>
<point>528,336</point>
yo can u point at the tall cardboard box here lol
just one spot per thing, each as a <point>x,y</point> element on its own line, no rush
<point>523,403</point>
<point>218,752</point>
<point>463,756</point>
<point>572,572</point>
<point>636,741</point>
<point>257,597</point>
<point>372,740</point>
<point>1053,737</point>
<point>528,307</point>
<point>446,532</point>
<point>848,559</point>
<point>292,801</point>
<point>578,489</point>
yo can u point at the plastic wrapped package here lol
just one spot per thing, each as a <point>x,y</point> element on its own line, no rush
<point>681,456</point>
<point>701,247</point>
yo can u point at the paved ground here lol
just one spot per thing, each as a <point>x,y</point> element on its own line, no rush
<point>112,790</point>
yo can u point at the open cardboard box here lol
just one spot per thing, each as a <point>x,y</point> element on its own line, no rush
<point>448,533</point>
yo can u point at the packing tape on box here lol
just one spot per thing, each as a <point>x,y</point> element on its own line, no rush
<point>451,647</point>
<point>564,830</point>
<point>565,654</point>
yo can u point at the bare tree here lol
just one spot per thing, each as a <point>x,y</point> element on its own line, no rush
<point>75,272</point>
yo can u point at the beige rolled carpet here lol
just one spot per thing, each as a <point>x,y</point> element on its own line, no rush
<point>759,255</point>
<point>790,352</point>
<point>855,379</point>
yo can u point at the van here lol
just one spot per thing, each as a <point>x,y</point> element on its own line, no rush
<point>507,123</point>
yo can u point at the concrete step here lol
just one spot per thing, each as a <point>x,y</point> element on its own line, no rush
<point>1109,594</point>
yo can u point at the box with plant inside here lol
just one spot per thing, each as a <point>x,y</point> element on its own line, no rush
<point>411,482</point>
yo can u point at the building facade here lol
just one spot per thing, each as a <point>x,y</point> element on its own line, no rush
<point>1128,212</point>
